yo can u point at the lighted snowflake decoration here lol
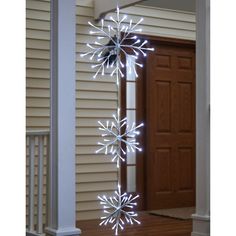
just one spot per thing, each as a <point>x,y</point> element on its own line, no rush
<point>113,41</point>
<point>113,137</point>
<point>118,210</point>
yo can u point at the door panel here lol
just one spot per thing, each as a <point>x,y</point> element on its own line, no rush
<point>170,127</point>
<point>163,108</point>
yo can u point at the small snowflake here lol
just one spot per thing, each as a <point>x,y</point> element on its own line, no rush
<point>117,211</point>
<point>113,138</point>
<point>109,47</point>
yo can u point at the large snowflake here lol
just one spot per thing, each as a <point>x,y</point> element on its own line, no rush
<point>118,210</point>
<point>113,41</point>
<point>113,137</point>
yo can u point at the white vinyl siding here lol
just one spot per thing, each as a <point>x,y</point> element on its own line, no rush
<point>37,78</point>
<point>95,99</point>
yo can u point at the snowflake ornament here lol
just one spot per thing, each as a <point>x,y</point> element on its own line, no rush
<point>118,210</point>
<point>112,42</point>
<point>113,137</point>
<point>115,42</point>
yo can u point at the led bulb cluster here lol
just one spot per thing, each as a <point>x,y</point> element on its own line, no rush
<point>113,137</point>
<point>118,210</point>
<point>101,52</point>
<point>115,41</point>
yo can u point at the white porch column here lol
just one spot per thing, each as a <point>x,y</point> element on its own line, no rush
<point>61,191</point>
<point>201,219</point>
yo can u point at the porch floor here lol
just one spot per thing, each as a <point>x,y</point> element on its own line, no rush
<point>150,226</point>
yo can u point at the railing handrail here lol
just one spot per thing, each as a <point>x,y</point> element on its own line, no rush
<point>37,132</point>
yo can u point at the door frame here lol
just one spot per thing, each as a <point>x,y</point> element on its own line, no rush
<point>141,164</point>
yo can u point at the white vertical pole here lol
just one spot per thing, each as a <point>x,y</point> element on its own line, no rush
<point>31,182</point>
<point>40,184</point>
<point>48,179</point>
<point>201,219</point>
<point>61,219</point>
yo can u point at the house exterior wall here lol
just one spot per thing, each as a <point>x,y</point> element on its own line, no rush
<point>95,99</point>
<point>37,78</point>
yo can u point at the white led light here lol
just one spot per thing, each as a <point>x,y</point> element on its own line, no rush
<point>116,207</point>
<point>119,44</point>
<point>114,133</point>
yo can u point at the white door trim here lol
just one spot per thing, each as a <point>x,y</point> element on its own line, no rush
<point>201,219</point>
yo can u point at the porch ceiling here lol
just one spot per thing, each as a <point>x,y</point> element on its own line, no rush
<point>102,7</point>
<point>183,5</point>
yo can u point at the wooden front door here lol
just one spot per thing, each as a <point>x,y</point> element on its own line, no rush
<point>170,126</point>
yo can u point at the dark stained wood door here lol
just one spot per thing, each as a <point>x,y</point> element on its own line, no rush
<point>170,126</point>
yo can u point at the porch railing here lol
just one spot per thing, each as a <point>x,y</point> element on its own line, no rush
<point>38,152</point>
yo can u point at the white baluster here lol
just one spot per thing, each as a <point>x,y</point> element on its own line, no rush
<point>40,185</point>
<point>48,216</point>
<point>31,182</point>
<point>41,136</point>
